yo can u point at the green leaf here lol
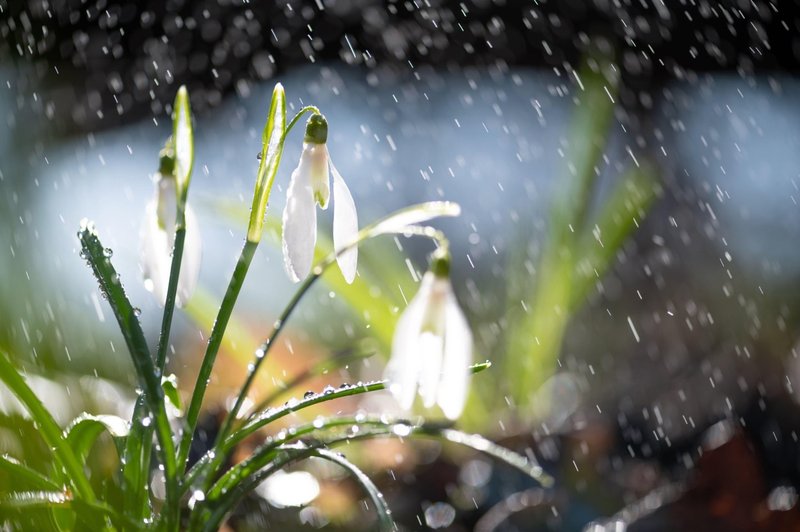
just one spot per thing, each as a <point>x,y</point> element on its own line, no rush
<point>183,138</point>
<point>50,431</point>
<point>85,429</point>
<point>23,476</point>
<point>385,521</point>
<point>149,380</point>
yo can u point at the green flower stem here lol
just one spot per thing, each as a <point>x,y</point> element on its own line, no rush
<point>307,109</point>
<point>214,341</point>
<point>48,427</point>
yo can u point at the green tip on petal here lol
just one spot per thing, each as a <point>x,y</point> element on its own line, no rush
<point>316,130</point>
<point>440,262</point>
<point>166,158</point>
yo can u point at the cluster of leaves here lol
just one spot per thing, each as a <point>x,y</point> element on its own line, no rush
<point>155,485</point>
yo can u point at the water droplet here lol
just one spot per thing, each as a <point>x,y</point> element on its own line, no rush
<point>137,311</point>
<point>439,515</point>
<point>401,430</point>
<point>309,394</point>
<point>328,389</point>
<point>147,421</point>
<point>108,253</point>
<point>197,496</point>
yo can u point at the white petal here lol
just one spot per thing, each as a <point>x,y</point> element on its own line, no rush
<point>431,347</point>
<point>454,384</point>
<point>190,262</point>
<point>403,369</point>
<point>432,340</point>
<point>299,224</point>
<point>345,226</point>
<point>154,249</point>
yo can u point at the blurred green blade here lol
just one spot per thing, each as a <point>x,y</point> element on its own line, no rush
<point>86,428</point>
<point>385,521</point>
<point>22,476</point>
<point>51,433</point>
<point>619,217</point>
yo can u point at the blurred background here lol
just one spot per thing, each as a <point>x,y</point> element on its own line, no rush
<point>627,255</point>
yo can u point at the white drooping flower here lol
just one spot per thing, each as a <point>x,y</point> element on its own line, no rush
<point>158,239</point>
<point>309,187</point>
<point>432,347</point>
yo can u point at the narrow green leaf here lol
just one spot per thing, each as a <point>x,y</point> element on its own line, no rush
<point>111,288</point>
<point>149,377</point>
<point>22,476</point>
<point>385,521</point>
<point>85,429</point>
<point>50,431</point>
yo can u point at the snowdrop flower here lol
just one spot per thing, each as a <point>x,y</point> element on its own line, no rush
<point>432,346</point>
<point>158,238</point>
<point>309,187</point>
